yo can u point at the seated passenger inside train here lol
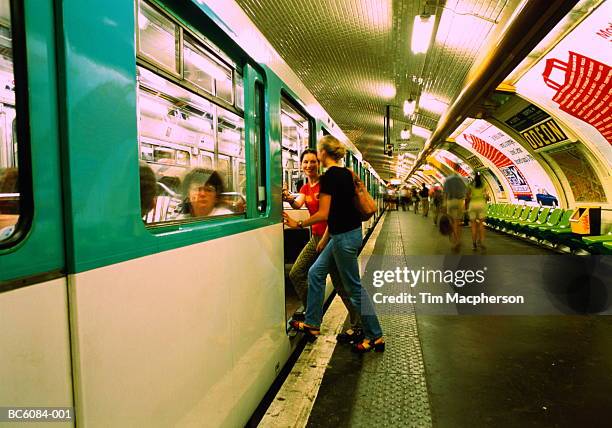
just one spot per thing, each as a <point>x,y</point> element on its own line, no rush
<point>202,192</point>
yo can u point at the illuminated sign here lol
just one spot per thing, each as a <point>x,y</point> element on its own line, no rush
<point>521,171</point>
<point>453,162</point>
<point>574,80</point>
<point>544,134</point>
<point>526,118</point>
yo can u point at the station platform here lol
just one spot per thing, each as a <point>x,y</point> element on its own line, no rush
<point>460,369</point>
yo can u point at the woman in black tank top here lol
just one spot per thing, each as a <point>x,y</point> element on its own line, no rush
<point>341,243</point>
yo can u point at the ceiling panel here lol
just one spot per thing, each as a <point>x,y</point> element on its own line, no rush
<point>355,57</point>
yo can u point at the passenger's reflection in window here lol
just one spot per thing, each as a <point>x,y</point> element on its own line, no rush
<point>202,192</point>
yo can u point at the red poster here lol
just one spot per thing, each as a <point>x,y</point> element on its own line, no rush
<point>586,92</point>
<point>513,174</point>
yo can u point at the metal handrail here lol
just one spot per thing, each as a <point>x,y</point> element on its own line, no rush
<point>527,29</point>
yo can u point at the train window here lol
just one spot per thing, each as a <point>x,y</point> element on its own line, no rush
<point>295,139</point>
<point>223,167</point>
<point>194,146</point>
<point>239,92</point>
<point>157,37</point>
<point>260,147</point>
<point>180,140</point>
<point>224,85</point>
<point>204,70</point>
<point>11,189</point>
<point>207,161</point>
<point>199,68</point>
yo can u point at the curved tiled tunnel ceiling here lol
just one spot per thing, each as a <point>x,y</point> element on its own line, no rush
<point>355,57</point>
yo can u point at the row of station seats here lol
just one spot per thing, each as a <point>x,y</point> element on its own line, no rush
<point>546,226</point>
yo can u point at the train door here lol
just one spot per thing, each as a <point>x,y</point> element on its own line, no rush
<point>35,363</point>
<point>296,132</point>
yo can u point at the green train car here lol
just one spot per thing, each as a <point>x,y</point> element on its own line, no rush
<point>116,299</point>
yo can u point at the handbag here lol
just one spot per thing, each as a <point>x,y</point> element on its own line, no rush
<point>364,202</point>
<point>444,224</point>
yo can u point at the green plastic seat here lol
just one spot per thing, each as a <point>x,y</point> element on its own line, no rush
<point>552,221</point>
<point>560,228</point>
<point>540,220</point>
<point>515,217</point>
<point>528,216</point>
<point>502,212</point>
<point>598,238</point>
<point>597,244</point>
<point>533,216</point>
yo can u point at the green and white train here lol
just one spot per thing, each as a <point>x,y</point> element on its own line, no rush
<point>144,317</point>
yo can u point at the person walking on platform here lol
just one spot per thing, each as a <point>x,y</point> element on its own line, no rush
<point>424,194</point>
<point>476,201</point>
<point>437,199</point>
<point>455,190</point>
<point>405,197</point>
<point>341,244</point>
<point>415,199</point>
<point>309,195</point>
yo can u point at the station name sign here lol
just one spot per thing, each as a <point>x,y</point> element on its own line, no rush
<point>544,134</point>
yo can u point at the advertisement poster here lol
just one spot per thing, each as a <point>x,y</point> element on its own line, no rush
<point>574,80</point>
<point>524,175</point>
<point>453,162</point>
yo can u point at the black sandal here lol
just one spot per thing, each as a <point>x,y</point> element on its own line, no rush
<point>351,336</point>
<point>310,332</point>
<point>366,345</point>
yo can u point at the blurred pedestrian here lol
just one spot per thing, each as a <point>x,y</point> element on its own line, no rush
<point>404,197</point>
<point>476,202</point>
<point>424,195</point>
<point>455,191</point>
<point>437,200</point>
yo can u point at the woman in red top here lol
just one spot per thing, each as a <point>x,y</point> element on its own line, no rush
<point>309,195</point>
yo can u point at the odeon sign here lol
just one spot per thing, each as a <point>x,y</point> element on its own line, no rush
<point>523,174</point>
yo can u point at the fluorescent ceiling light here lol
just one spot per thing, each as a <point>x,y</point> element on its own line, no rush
<point>421,132</point>
<point>421,33</point>
<point>388,91</point>
<point>409,107</point>
<point>453,35</point>
<point>430,103</point>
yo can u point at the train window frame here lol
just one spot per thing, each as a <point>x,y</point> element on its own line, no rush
<point>22,128</point>
<point>295,105</point>
<point>151,79</point>
<point>202,44</point>
<point>260,156</point>
<point>178,38</point>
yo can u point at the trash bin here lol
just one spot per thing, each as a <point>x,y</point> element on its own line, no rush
<point>586,221</point>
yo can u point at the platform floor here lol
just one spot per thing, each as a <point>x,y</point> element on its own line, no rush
<point>469,370</point>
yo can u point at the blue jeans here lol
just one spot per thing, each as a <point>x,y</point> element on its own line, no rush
<point>343,249</point>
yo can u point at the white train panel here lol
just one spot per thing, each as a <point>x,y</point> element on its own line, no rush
<point>159,339</point>
<point>35,352</point>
